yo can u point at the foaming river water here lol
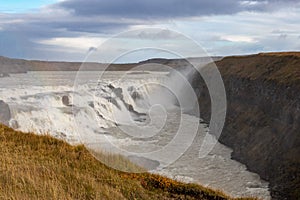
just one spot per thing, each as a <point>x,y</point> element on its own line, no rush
<point>103,112</point>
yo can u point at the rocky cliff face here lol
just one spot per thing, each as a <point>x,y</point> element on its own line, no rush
<point>5,114</point>
<point>263,116</point>
<point>8,65</point>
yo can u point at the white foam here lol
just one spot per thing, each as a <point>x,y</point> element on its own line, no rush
<point>97,109</point>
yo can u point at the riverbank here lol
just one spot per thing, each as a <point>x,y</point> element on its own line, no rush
<point>42,167</point>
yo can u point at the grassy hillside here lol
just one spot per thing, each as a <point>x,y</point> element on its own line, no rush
<point>41,167</point>
<point>283,68</point>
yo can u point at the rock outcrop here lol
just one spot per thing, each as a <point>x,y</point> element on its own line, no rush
<point>8,65</point>
<point>66,100</point>
<point>263,116</point>
<point>5,114</point>
<point>2,75</point>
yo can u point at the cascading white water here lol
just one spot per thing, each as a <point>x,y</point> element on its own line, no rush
<point>98,111</point>
<point>40,108</point>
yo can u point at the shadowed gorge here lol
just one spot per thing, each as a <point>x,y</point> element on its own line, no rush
<point>263,116</point>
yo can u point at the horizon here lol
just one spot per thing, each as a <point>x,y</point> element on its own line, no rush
<point>153,58</point>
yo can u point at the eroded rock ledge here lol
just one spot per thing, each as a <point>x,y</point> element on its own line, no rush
<point>263,116</point>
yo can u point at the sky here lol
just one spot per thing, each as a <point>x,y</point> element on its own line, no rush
<point>70,29</point>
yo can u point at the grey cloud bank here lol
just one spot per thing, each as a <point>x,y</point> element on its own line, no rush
<point>158,9</point>
<point>23,34</point>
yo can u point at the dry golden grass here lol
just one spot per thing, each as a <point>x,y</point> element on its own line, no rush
<point>287,53</point>
<point>41,167</point>
<point>282,68</point>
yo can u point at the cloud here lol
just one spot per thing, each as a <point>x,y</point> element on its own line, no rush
<point>73,26</point>
<point>91,49</point>
<point>73,43</point>
<point>238,38</point>
<point>70,18</point>
<point>279,31</point>
<point>282,36</point>
<point>157,9</point>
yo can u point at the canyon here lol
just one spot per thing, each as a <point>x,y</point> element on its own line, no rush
<point>263,109</point>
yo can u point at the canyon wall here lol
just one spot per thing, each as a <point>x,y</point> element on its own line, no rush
<point>263,116</point>
<point>8,65</point>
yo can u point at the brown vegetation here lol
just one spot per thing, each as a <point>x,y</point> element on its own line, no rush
<point>281,67</point>
<point>42,167</point>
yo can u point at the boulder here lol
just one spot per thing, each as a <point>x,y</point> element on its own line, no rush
<point>66,100</point>
<point>5,114</point>
<point>14,124</point>
<point>2,75</point>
